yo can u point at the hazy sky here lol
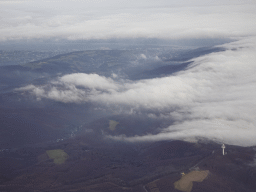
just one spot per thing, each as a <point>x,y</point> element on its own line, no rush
<point>99,19</point>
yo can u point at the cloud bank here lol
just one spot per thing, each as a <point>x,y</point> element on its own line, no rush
<point>75,20</point>
<point>214,98</point>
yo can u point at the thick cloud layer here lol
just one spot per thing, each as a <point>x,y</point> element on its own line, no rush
<point>68,19</point>
<point>214,98</point>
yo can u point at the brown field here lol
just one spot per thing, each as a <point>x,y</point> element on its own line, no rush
<point>186,182</point>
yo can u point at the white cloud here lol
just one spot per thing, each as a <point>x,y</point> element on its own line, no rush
<point>143,56</point>
<point>126,19</point>
<point>92,81</point>
<point>233,132</point>
<point>214,98</point>
<point>114,75</point>
<point>217,86</point>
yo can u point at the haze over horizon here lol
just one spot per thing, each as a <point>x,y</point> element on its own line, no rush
<point>214,98</point>
<point>73,20</point>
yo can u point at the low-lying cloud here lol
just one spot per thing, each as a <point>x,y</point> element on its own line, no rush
<point>214,98</point>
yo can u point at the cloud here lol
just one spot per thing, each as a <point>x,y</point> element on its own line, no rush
<point>234,132</point>
<point>66,95</point>
<point>130,19</point>
<point>214,98</point>
<point>92,81</point>
<point>143,56</point>
<point>77,87</point>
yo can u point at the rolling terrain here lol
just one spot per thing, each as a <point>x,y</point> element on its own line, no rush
<point>48,145</point>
